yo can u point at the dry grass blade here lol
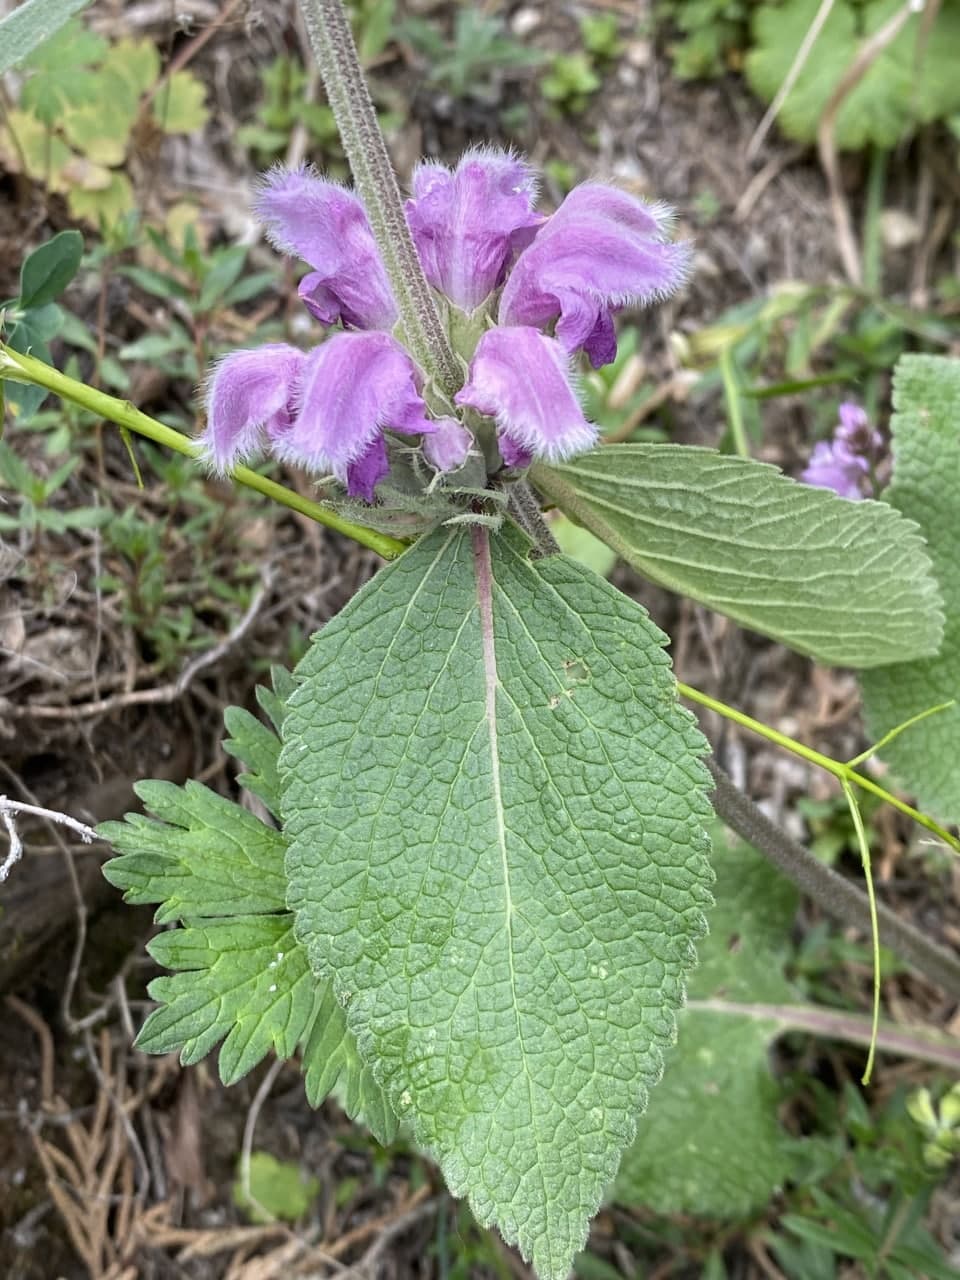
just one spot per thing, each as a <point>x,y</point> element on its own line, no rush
<point>867,55</point>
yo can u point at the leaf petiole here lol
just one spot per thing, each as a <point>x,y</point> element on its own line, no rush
<point>844,772</point>
<point>22,368</point>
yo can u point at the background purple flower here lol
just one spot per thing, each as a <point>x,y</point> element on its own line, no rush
<point>843,464</point>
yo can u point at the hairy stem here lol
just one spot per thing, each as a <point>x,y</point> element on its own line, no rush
<point>333,45</point>
<point>525,510</point>
<point>837,896</point>
<point>34,372</point>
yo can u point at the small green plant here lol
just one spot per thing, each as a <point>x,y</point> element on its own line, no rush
<point>273,1189</point>
<point>939,1124</point>
<point>32,319</point>
<point>711,32</point>
<point>199,282</point>
<point>465,66</point>
<point>600,33</point>
<point>84,106</point>
<point>571,82</point>
<point>913,81</point>
<point>284,106</point>
<point>38,507</point>
<point>832,826</point>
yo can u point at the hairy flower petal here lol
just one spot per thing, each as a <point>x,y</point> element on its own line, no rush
<point>447,448</point>
<point>251,399</point>
<point>468,224</point>
<point>602,250</point>
<point>327,226</point>
<point>521,379</point>
<point>355,386</point>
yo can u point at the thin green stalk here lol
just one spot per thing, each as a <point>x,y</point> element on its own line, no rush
<point>731,394</point>
<point>874,923</point>
<point>34,372</point>
<point>333,45</point>
<point>840,770</point>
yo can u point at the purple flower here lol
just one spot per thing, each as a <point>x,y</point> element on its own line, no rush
<point>467,225</point>
<point>831,467</point>
<point>339,409</point>
<point>855,433</point>
<point>843,463</point>
<point>251,400</point>
<point>355,386</point>
<point>327,227</point>
<point>602,250</point>
<point>521,379</point>
<point>447,446</point>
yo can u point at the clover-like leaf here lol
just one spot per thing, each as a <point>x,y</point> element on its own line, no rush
<point>712,1144</point>
<point>849,583</point>
<point>495,806</point>
<point>180,106</point>
<point>926,449</point>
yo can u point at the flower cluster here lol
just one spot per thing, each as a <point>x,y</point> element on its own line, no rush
<point>521,294</point>
<point>845,463</point>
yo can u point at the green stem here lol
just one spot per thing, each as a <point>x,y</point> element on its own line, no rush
<point>333,45</point>
<point>872,232</point>
<point>842,771</point>
<point>731,393</point>
<point>874,923</point>
<point>27,369</point>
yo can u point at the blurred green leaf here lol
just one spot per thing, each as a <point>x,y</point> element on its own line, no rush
<point>48,270</point>
<point>29,25</point>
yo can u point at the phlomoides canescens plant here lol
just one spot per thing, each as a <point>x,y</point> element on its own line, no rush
<point>475,896</point>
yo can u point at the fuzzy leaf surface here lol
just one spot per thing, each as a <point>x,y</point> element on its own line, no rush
<point>926,450</point>
<point>30,24</point>
<point>712,1144</point>
<point>849,583</point>
<point>240,976</point>
<point>495,806</point>
<point>200,855</point>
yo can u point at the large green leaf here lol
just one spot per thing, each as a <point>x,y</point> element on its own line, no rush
<point>711,1144</point>
<point>913,79</point>
<point>926,447</point>
<point>30,24</point>
<point>849,583</point>
<point>495,808</point>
